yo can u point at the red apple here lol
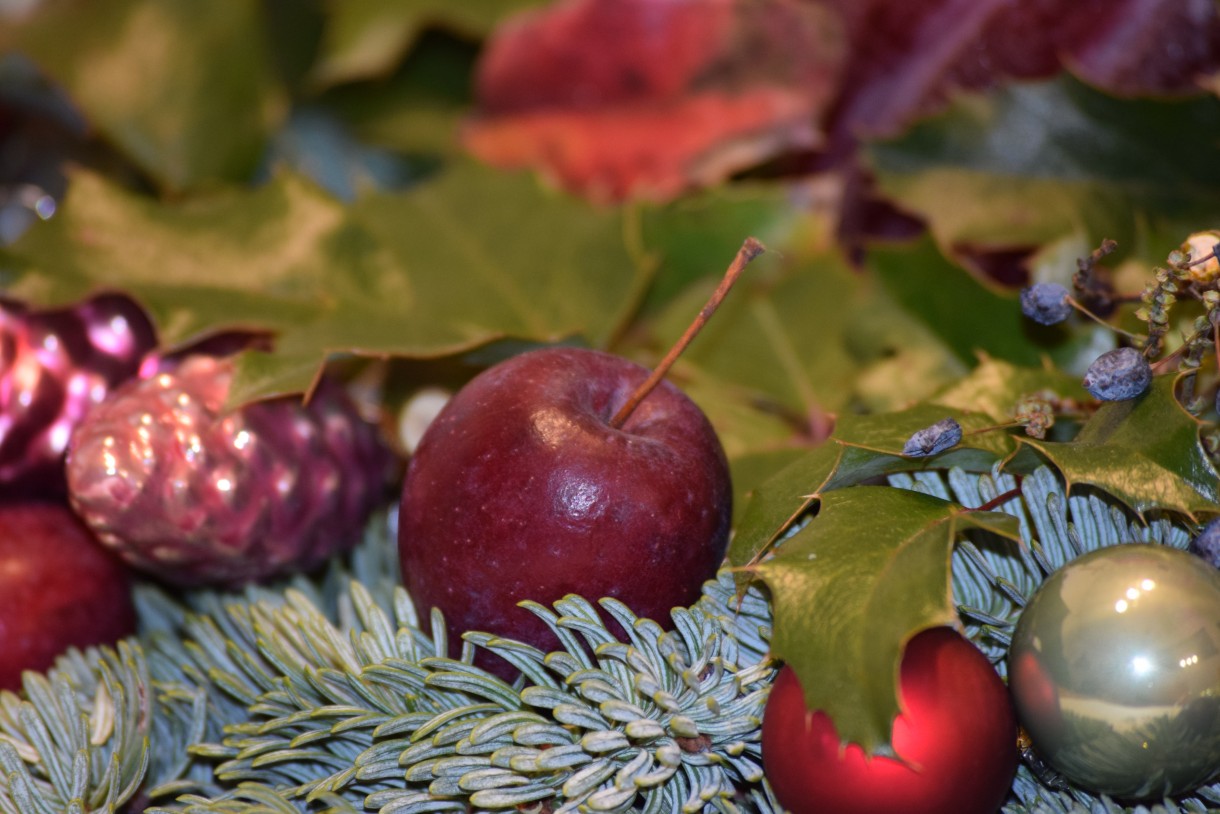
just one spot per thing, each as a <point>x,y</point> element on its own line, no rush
<point>522,489</point>
<point>956,741</point>
<point>58,588</point>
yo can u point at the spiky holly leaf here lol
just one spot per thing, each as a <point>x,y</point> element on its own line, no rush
<point>446,266</point>
<point>145,73</point>
<point>995,386</point>
<point>1032,163</point>
<point>854,585</point>
<point>862,447</point>
<point>1145,452</point>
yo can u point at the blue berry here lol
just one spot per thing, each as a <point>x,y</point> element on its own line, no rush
<point>1207,544</point>
<point>1118,375</point>
<point>940,436</point>
<point>1045,303</point>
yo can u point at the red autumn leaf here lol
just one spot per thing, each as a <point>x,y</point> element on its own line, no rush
<point>908,57</point>
<point>620,99</point>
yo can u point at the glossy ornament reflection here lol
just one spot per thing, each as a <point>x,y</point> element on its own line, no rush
<point>1115,671</point>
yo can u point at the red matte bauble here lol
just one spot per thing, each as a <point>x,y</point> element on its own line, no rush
<point>956,740</point>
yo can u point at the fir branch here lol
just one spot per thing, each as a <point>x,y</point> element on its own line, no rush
<point>992,582</point>
<point>374,717</point>
<point>79,740</point>
<point>324,695</point>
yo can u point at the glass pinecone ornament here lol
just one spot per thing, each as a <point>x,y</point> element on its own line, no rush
<point>54,366</point>
<point>194,494</point>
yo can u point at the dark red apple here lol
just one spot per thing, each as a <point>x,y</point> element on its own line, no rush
<point>956,740</point>
<point>521,489</point>
<point>58,588</point>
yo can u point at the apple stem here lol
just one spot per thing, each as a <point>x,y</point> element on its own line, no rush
<point>750,249</point>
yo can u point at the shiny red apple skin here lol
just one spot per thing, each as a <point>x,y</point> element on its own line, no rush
<point>520,489</point>
<point>956,738</point>
<point>58,588</point>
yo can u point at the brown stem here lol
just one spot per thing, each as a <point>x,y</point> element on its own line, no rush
<point>998,500</point>
<point>1214,253</point>
<point>1079,306</point>
<point>748,251</point>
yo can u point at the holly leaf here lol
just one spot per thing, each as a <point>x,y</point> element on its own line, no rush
<point>751,469</point>
<point>146,74</point>
<point>444,267</point>
<point>1031,164</point>
<point>995,386</point>
<point>862,448</point>
<point>857,583</point>
<point>368,39</point>
<point>1145,452</point>
<point>680,96</point>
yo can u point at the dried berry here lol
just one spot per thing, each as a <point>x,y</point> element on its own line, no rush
<point>1118,375</point>
<point>1207,543</point>
<point>195,494</point>
<point>942,435</point>
<point>1045,303</point>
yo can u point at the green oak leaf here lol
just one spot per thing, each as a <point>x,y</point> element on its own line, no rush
<point>862,448</point>
<point>239,258</point>
<point>791,342</point>
<point>464,260</point>
<point>1145,452</point>
<point>146,74</point>
<point>367,39</point>
<point>417,111</point>
<point>693,238</point>
<point>853,586</point>
<point>1032,163</point>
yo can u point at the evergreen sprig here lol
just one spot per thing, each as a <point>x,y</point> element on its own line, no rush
<point>381,719</point>
<point>992,580</point>
<point>324,695</point>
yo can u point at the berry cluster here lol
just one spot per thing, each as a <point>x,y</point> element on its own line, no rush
<point>1192,272</point>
